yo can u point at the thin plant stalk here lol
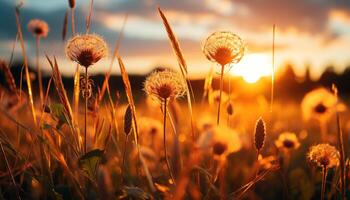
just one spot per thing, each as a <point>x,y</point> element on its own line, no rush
<point>221,88</point>
<point>38,68</point>
<point>164,140</point>
<point>324,177</point>
<point>342,159</point>
<point>9,170</point>
<point>123,163</point>
<point>273,67</point>
<point>72,21</point>
<point>85,108</point>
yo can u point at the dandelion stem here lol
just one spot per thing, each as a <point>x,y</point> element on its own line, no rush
<point>164,140</point>
<point>221,88</point>
<point>38,68</point>
<point>86,105</point>
<point>324,176</point>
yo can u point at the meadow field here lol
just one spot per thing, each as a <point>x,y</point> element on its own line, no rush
<point>164,135</point>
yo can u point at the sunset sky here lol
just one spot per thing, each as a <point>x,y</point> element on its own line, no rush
<point>309,32</point>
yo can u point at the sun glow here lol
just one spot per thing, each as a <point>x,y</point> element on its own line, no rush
<point>252,67</point>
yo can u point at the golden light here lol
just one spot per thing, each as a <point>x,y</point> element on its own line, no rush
<point>252,67</point>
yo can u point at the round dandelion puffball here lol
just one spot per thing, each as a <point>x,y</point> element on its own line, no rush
<point>224,47</point>
<point>38,28</point>
<point>87,49</point>
<point>324,155</point>
<point>164,85</point>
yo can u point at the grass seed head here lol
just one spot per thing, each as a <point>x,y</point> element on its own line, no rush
<point>260,134</point>
<point>71,3</point>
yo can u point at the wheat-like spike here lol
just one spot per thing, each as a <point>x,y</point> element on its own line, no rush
<point>127,121</point>
<point>182,64</point>
<point>260,134</point>
<point>130,98</point>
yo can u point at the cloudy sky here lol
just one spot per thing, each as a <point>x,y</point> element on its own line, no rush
<point>309,32</point>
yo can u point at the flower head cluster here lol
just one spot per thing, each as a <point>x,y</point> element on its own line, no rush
<point>320,104</point>
<point>38,28</point>
<point>86,49</point>
<point>224,47</point>
<point>324,155</point>
<point>165,85</point>
<point>287,141</point>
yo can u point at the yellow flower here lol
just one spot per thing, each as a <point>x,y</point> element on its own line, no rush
<point>287,141</point>
<point>324,155</point>
<point>165,85</point>
<point>320,104</point>
<point>224,47</point>
<point>38,28</point>
<point>220,141</point>
<point>86,49</point>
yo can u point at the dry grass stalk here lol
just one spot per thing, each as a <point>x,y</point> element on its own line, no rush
<point>10,171</point>
<point>113,112</point>
<point>182,64</point>
<point>273,67</point>
<point>341,149</point>
<point>65,25</point>
<point>88,18</point>
<point>25,61</point>
<point>8,76</point>
<point>76,92</point>
<point>115,52</point>
<point>130,98</point>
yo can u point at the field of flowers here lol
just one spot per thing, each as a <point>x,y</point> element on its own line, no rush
<point>100,143</point>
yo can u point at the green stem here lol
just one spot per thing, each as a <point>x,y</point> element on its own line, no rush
<point>221,88</point>
<point>164,140</point>
<point>324,177</point>
<point>86,105</point>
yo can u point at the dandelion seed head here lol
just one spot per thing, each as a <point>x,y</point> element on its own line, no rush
<point>87,49</point>
<point>224,47</point>
<point>38,27</point>
<point>166,84</point>
<point>324,155</point>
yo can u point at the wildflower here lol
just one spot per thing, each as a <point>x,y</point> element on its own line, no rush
<point>224,47</point>
<point>220,140</point>
<point>320,104</point>
<point>324,155</point>
<point>38,28</point>
<point>287,141</point>
<point>165,85</point>
<point>86,49</point>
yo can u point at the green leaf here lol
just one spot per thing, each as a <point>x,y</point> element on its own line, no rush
<point>89,163</point>
<point>58,112</point>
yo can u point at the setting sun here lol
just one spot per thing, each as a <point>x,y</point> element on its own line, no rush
<point>252,67</point>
